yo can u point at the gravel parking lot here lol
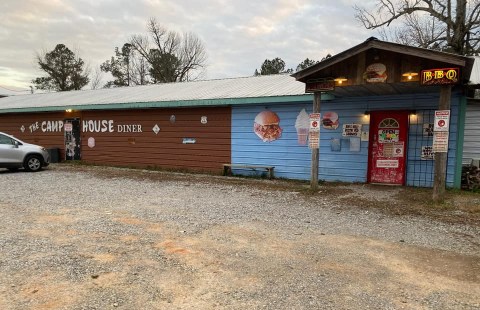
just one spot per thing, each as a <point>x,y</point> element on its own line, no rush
<point>79,237</point>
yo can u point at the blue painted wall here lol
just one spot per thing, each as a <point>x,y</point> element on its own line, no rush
<point>292,160</point>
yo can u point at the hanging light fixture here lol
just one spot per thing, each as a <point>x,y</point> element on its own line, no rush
<point>409,75</point>
<point>340,79</point>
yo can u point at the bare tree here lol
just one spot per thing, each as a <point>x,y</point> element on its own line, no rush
<point>171,56</point>
<point>96,78</point>
<point>452,26</point>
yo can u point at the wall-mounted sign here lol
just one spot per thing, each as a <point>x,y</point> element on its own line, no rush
<point>352,130</point>
<point>91,142</point>
<point>388,135</point>
<point>156,129</point>
<point>375,73</point>
<point>446,76</point>
<point>440,142</point>
<point>387,163</point>
<point>68,127</point>
<point>442,120</point>
<point>302,125</point>
<point>428,130</point>
<point>427,153</point>
<point>267,126</point>
<point>203,120</point>
<point>317,85</point>
<point>189,141</point>
<point>330,120</point>
<point>172,119</point>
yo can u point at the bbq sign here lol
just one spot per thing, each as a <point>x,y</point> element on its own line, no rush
<point>319,85</point>
<point>446,76</point>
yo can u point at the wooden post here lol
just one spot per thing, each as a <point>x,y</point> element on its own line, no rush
<point>439,179</point>
<point>315,152</point>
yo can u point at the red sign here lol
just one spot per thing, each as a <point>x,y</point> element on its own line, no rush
<point>319,85</point>
<point>446,76</point>
<point>442,120</point>
<point>314,131</point>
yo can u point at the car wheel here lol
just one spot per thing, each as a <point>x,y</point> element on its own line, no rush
<point>33,163</point>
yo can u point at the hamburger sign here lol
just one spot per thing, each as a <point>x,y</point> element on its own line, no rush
<point>375,73</point>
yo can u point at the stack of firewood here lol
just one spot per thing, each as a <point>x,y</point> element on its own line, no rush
<point>470,177</point>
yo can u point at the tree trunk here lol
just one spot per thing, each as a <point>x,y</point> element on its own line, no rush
<point>459,31</point>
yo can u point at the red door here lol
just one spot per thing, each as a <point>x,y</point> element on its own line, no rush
<point>388,145</point>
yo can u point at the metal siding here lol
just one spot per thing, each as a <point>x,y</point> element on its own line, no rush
<point>471,146</point>
<point>293,161</point>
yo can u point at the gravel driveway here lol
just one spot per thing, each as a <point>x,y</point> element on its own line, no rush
<point>76,237</point>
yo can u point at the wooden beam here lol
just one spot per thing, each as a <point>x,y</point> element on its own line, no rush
<point>439,179</point>
<point>315,152</point>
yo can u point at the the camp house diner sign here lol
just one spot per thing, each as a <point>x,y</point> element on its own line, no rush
<point>445,76</point>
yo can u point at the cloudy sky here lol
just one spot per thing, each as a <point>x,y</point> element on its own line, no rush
<point>238,34</point>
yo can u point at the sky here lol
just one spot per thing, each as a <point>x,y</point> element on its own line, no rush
<point>238,34</point>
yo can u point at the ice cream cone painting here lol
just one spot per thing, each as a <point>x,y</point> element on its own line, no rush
<point>302,125</point>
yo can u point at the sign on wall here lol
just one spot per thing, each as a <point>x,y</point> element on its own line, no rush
<point>352,130</point>
<point>445,76</point>
<point>427,153</point>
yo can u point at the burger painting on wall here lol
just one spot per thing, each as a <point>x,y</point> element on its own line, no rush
<point>375,73</point>
<point>267,126</point>
<point>330,120</point>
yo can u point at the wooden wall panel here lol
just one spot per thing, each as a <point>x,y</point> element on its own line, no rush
<point>139,149</point>
<point>36,128</point>
<point>165,149</point>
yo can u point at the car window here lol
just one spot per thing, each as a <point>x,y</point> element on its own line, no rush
<point>5,140</point>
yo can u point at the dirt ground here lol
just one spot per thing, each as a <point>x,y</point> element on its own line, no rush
<point>67,257</point>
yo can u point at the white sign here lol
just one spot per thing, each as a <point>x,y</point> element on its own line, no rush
<point>91,142</point>
<point>440,142</point>
<point>352,130</point>
<point>427,153</point>
<point>387,163</point>
<point>442,120</point>
<point>68,127</point>
<point>398,149</point>
<point>314,131</point>
<point>314,121</point>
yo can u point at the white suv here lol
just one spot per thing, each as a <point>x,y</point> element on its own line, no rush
<point>15,154</point>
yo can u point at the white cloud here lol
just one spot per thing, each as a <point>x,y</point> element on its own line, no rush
<point>238,35</point>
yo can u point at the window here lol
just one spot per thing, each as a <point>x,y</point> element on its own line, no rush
<point>389,123</point>
<point>5,140</point>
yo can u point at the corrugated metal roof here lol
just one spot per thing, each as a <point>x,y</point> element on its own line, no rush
<point>218,92</point>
